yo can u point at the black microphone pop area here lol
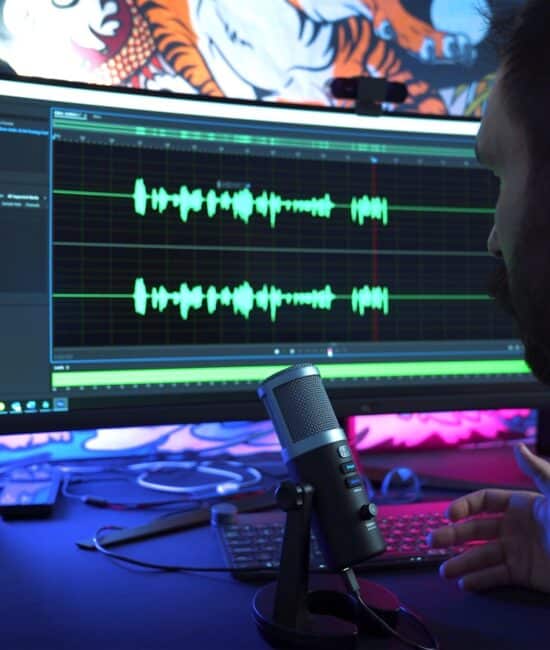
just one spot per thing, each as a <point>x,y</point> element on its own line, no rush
<point>305,407</point>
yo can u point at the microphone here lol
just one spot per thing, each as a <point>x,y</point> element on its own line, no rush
<point>316,451</point>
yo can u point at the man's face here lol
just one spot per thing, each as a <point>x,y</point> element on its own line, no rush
<point>520,236</point>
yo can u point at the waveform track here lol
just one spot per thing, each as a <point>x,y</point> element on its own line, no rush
<point>244,204</point>
<point>243,299</point>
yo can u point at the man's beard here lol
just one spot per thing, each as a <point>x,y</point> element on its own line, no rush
<point>523,291</point>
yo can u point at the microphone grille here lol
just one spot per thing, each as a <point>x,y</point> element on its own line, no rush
<point>305,407</point>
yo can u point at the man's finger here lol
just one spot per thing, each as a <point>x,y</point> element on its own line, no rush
<point>474,559</point>
<point>467,531</point>
<point>488,500</point>
<point>495,576</point>
<point>534,466</point>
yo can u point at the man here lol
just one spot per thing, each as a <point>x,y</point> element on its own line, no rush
<point>514,142</point>
<point>5,69</point>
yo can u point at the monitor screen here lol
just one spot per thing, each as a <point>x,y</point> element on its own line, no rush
<point>161,255</point>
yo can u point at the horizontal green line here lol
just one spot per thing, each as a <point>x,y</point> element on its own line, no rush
<point>437,208</point>
<point>109,195</point>
<point>394,208</point>
<point>363,252</point>
<point>269,141</point>
<point>439,296</point>
<point>412,296</point>
<point>78,378</point>
<point>94,295</point>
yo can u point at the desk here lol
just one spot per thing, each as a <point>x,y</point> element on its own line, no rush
<point>57,596</point>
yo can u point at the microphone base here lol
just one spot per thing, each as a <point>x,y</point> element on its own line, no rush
<point>330,618</point>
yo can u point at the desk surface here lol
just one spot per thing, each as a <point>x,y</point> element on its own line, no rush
<point>57,596</point>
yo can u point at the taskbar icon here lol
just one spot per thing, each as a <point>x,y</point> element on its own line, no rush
<point>30,406</point>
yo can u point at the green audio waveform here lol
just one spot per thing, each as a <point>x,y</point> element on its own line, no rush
<point>243,203</point>
<point>367,207</point>
<point>244,298</point>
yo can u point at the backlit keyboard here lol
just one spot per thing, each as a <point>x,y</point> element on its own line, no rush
<point>256,540</point>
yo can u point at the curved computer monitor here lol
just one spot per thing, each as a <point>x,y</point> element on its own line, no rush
<point>161,255</point>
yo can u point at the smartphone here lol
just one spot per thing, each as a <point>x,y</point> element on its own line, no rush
<point>30,492</point>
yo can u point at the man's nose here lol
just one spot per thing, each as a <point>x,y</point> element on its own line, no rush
<point>493,245</point>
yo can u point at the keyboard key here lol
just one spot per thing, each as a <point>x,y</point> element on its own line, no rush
<point>241,550</point>
<point>259,544</point>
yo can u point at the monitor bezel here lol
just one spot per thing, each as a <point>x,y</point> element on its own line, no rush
<point>247,406</point>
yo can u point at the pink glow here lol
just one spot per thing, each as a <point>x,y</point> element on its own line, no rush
<point>436,430</point>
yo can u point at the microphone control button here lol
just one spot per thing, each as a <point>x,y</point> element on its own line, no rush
<point>368,511</point>
<point>344,451</point>
<point>347,468</point>
<point>353,481</point>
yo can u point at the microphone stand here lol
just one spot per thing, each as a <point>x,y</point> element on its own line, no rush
<point>297,611</point>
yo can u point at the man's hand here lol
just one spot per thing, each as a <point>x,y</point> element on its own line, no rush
<point>514,527</point>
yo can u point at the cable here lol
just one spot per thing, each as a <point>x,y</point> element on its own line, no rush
<point>233,481</point>
<point>355,590</point>
<point>348,575</point>
<point>229,477</point>
<point>101,502</point>
<point>175,567</point>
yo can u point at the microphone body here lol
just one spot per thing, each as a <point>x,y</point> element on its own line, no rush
<point>316,451</point>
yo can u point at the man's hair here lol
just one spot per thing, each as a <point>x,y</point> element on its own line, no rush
<point>522,40</point>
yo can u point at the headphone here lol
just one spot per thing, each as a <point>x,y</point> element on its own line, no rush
<point>228,477</point>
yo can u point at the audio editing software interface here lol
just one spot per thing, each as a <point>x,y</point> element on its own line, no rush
<point>157,246</point>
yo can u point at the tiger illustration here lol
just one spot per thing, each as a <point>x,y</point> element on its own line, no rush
<point>220,46</point>
<point>285,52</point>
